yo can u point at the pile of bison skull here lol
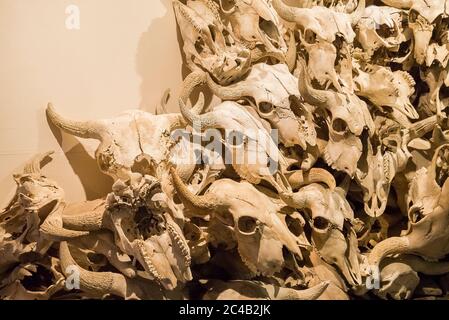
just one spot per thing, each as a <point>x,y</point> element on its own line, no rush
<point>345,101</point>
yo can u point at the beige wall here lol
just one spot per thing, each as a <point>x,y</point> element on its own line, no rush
<point>124,56</point>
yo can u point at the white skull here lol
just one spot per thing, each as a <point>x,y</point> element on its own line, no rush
<point>205,43</point>
<point>331,218</point>
<point>252,216</point>
<point>380,27</point>
<point>254,22</point>
<point>273,92</point>
<point>145,230</point>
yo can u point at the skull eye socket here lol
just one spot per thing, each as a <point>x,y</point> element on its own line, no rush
<point>265,107</point>
<point>321,224</point>
<point>413,16</point>
<point>416,215</point>
<point>339,125</point>
<point>294,225</point>
<point>247,224</point>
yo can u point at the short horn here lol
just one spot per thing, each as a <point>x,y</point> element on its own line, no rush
<point>95,283</point>
<point>34,165</point>
<point>205,204</point>
<point>91,221</point>
<point>307,294</point>
<point>387,247</point>
<point>82,129</point>
<point>53,229</point>
<point>315,175</point>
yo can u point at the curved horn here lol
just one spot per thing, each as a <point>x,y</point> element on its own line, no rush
<point>90,221</point>
<point>315,175</point>
<point>52,227</point>
<point>193,80</point>
<point>192,116</point>
<point>306,89</point>
<point>307,294</point>
<point>82,129</point>
<point>358,12</point>
<point>206,203</point>
<point>291,14</point>
<point>203,121</point>
<point>393,245</point>
<point>96,283</point>
<point>34,165</point>
<point>232,92</point>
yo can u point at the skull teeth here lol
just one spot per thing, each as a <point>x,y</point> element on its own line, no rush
<point>252,268</point>
<point>149,266</point>
<point>180,242</point>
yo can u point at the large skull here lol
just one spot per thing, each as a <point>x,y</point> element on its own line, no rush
<point>36,198</point>
<point>428,210</point>
<point>260,234</point>
<point>138,214</point>
<point>205,43</point>
<point>375,174</point>
<point>380,27</point>
<point>256,157</point>
<point>325,23</point>
<point>346,115</point>
<point>254,22</point>
<point>145,230</point>
<point>346,111</point>
<point>422,17</point>
<point>135,141</point>
<point>321,62</point>
<point>331,219</point>
<point>273,92</point>
<point>385,88</point>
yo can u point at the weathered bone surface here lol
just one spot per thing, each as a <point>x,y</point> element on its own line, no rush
<point>333,185</point>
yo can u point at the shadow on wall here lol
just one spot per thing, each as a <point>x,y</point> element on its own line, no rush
<point>95,183</point>
<point>154,51</point>
<point>152,55</point>
<point>156,48</point>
